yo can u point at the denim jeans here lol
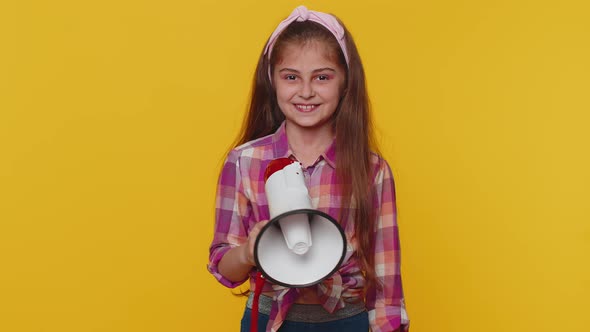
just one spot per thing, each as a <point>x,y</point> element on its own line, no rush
<point>357,323</point>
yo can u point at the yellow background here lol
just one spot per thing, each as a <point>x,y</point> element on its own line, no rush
<point>115,116</point>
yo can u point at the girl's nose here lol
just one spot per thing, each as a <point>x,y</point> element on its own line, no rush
<point>307,90</point>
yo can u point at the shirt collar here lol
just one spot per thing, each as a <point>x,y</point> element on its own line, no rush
<point>281,148</point>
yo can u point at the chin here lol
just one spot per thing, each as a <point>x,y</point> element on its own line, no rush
<point>315,124</point>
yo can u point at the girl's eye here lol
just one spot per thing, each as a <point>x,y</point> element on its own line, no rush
<point>290,77</point>
<point>323,77</point>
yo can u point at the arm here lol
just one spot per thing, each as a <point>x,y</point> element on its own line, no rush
<point>228,259</point>
<point>234,265</point>
<point>238,261</point>
<point>385,303</point>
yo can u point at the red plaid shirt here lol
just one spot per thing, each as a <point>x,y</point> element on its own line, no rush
<point>241,203</point>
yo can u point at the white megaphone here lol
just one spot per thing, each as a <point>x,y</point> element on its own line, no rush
<point>300,246</point>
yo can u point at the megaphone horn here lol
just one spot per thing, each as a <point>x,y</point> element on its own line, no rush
<point>300,246</point>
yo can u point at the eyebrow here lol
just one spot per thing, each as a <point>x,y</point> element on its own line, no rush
<point>314,71</point>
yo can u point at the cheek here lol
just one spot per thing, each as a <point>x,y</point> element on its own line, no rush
<point>284,92</point>
<point>331,93</point>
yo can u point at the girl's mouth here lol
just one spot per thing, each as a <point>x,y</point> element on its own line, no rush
<point>306,108</point>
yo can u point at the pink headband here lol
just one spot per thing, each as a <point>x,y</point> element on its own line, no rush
<point>301,14</point>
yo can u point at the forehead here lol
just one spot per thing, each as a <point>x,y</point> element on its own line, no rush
<point>306,55</point>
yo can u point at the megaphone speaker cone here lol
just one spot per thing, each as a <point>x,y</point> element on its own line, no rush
<point>284,266</point>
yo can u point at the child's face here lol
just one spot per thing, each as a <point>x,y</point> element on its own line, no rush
<point>308,84</point>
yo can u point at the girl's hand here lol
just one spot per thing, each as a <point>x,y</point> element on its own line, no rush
<point>248,248</point>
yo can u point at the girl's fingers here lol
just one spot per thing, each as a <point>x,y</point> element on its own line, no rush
<point>259,225</point>
<point>252,239</point>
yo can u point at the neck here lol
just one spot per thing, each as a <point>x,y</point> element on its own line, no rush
<point>308,144</point>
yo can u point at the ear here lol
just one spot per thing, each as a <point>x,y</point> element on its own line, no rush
<point>343,93</point>
<point>344,89</point>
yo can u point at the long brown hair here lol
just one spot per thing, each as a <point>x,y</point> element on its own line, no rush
<point>352,126</point>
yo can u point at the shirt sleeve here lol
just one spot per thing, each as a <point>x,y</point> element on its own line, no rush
<point>385,303</point>
<point>232,211</point>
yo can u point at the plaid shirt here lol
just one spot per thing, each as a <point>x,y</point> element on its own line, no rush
<point>241,203</point>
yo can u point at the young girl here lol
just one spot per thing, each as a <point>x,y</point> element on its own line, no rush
<point>309,103</point>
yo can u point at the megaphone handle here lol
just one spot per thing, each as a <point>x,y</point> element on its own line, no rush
<point>257,292</point>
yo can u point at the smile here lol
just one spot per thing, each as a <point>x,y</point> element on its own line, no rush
<point>305,108</point>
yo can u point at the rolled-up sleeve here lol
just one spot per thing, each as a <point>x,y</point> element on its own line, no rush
<point>385,302</point>
<point>232,210</point>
